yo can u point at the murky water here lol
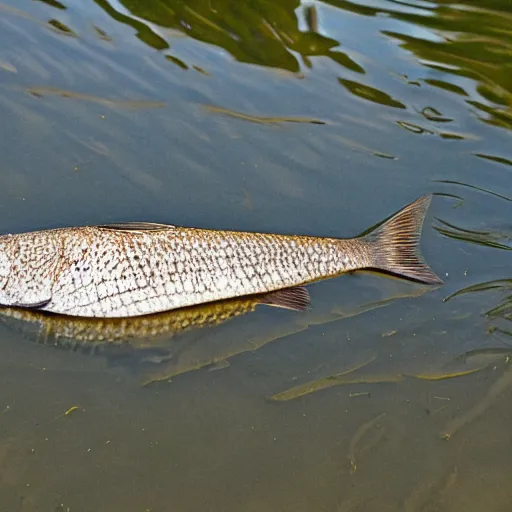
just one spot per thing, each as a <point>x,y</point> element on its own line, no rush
<point>319,118</point>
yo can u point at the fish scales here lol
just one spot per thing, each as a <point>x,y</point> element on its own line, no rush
<point>137,269</point>
<point>99,272</point>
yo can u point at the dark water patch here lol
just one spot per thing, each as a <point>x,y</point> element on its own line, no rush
<point>474,187</point>
<point>486,238</point>
<point>175,60</point>
<point>451,136</point>
<point>143,31</point>
<point>347,62</point>
<point>414,128</point>
<point>357,146</point>
<point>261,119</point>
<point>434,115</point>
<point>102,34</point>
<point>194,431</point>
<point>42,91</point>
<point>446,86</point>
<point>54,3</point>
<point>370,94</point>
<point>494,158</point>
<point>61,28</point>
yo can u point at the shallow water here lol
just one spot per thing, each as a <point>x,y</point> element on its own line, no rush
<point>319,118</point>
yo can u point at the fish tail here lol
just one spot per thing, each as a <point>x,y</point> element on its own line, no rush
<point>395,244</point>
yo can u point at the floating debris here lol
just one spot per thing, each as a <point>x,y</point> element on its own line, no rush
<point>60,28</point>
<point>444,376</point>
<point>446,86</point>
<point>491,351</point>
<point>359,394</point>
<point>201,70</point>
<point>460,200</point>
<point>497,284</point>
<point>7,67</point>
<point>69,411</point>
<point>429,494</point>
<point>370,94</point>
<point>175,60</point>
<point>356,146</point>
<point>494,158</point>
<point>102,34</point>
<point>414,128</point>
<point>311,17</point>
<point>42,91</point>
<point>487,238</point>
<point>317,385</point>
<point>358,436</point>
<point>261,119</point>
<point>432,114</point>
<point>474,187</point>
<point>497,389</point>
<point>451,136</point>
<point>55,3</point>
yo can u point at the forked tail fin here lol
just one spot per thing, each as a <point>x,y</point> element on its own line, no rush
<point>395,244</point>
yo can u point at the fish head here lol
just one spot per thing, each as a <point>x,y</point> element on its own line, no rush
<point>5,271</point>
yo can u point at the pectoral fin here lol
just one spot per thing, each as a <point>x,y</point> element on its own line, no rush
<point>296,298</point>
<point>32,305</point>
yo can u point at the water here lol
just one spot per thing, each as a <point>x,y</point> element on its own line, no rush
<point>179,112</point>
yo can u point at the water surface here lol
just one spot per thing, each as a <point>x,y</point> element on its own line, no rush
<point>316,118</point>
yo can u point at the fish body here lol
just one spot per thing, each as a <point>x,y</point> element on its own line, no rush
<point>127,270</point>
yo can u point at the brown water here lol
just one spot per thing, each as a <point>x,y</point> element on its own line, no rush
<point>320,118</point>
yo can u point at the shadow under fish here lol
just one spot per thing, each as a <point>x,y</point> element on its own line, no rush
<point>123,336</point>
<point>161,346</point>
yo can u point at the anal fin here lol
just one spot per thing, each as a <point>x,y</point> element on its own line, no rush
<point>296,298</point>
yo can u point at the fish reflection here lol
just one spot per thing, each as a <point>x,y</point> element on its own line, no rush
<point>161,346</point>
<point>140,332</point>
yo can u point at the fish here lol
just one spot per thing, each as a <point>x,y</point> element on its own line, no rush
<point>138,268</point>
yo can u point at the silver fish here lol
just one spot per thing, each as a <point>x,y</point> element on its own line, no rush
<point>133,269</point>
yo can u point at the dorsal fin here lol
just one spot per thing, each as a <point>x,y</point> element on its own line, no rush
<point>136,226</point>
